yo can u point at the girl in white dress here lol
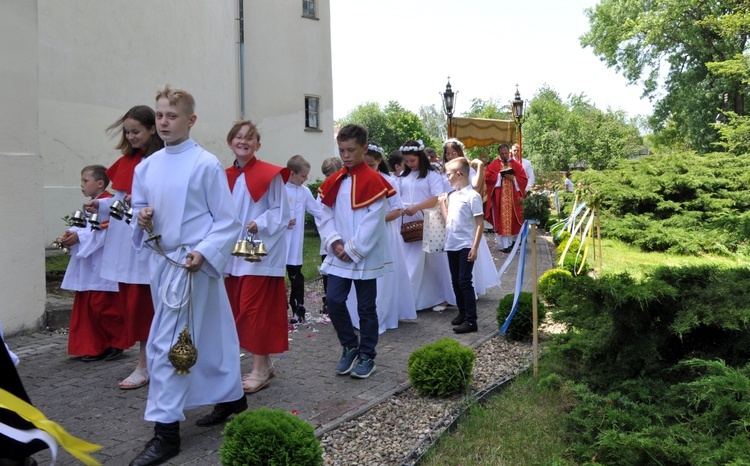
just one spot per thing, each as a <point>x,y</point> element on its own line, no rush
<point>485,273</point>
<point>419,185</point>
<point>395,301</point>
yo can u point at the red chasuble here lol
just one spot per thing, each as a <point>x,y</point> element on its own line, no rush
<point>367,186</point>
<point>503,209</point>
<point>258,176</point>
<point>121,172</point>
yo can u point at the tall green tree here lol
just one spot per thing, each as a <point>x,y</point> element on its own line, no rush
<point>665,45</point>
<point>561,134</point>
<point>434,122</point>
<point>389,126</point>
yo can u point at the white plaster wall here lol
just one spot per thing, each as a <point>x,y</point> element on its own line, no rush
<point>287,57</point>
<point>99,58</point>
<point>22,274</point>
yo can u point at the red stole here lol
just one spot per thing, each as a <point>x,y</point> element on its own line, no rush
<point>503,209</point>
<point>367,186</point>
<point>121,172</point>
<point>258,176</point>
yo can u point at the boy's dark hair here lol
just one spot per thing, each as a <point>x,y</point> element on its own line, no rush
<point>412,148</point>
<point>395,158</point>
<point>98,172</point>
<point>238,126</point>
<point>374,151</point>
<point>356,132</point>
<point>502,146</point>
<point>144,115</point>
<point>296,163</point>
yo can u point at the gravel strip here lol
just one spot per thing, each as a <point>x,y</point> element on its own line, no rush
<point>387,434</point>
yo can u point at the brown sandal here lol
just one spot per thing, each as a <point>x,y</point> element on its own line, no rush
<point>253,382</point>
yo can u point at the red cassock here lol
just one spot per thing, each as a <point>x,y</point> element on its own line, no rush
<point>503,208</point>
<point>134,299</point>
<point>258,302</point>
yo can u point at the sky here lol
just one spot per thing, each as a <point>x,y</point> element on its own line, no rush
<point>404,50</point>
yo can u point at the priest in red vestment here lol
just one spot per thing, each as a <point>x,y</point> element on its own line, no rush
<point>506,184</point>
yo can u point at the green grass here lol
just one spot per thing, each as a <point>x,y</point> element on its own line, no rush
<point>524,423</point>
<point>56,262</point>
<point>311,255</point>
<point>521,425</point>
<point>618,257</point>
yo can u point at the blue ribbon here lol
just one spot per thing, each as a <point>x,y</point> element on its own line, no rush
<point>522,236</point>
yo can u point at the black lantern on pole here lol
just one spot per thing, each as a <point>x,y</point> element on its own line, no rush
<point>517,107</point>
<point>449,102</point>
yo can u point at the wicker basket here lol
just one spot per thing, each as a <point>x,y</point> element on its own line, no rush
<point>411,231</point>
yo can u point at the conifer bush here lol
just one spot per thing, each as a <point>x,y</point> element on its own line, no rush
<point>442,368</point>
<point>270,437</point>
<point>522,324</point>
<point>554,283</point>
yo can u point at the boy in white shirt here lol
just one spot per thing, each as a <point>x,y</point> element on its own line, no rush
<point>300,200</point>
<point>464,223</point>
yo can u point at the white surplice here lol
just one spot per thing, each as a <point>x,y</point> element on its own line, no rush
<point>271,213</point>
<point>301,200</point>
<point>193,211</point>
<point>121,262</point>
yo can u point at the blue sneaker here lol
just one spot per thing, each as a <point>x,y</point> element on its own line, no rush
<point>348,361</point>
<point>365,367</point>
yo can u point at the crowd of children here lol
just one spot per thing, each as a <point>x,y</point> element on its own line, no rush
<point>160,260</point>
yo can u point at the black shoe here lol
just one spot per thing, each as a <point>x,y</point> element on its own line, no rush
<point>112,354</point>
<point>222,411</point>
<point>158,450</point>
<point>300,313</point>
<point>96,357</point>
<point>466,327</point>
<point>458,320</point>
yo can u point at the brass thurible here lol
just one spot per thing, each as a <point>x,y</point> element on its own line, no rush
<point>183,355</point>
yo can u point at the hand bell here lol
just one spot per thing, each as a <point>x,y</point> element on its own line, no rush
<point>117,210</point>
<point>261,249</point>
<point>94,222</point>
<point>78,219</point>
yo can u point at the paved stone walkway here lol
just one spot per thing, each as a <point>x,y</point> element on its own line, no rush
<point>85,398</point>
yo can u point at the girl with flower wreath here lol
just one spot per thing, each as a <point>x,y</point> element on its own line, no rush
<point>485,273</point>
<point>419,185</point>
<point>394,299</point>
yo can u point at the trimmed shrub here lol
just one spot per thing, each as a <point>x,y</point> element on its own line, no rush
<point>562,238</point>
<point>522,324</point>
<point>572,260</point>
<point>442,368</point>
<point>553,283</point>
<point>536,207</point>
<point>270,437</point>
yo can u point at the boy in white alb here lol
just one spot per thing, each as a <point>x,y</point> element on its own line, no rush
<point>181,194</point>
<point>95,323</point>
<point>463,213</point>
<point>352,228</point>
<point>300,200</point>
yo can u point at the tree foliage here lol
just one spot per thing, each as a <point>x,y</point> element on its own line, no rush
<point>389,126</point>
<point>559,135</point>
<point>666,45</point>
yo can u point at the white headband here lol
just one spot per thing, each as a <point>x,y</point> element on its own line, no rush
<point>413,148</point>
<point>375,148</point>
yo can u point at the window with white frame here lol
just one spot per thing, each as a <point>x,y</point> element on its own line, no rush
<point>312,104</point>
<point>308,9</point>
